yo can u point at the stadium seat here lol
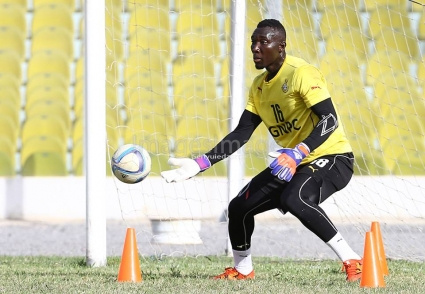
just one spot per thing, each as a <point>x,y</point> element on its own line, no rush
<point>300,42</point>
<point>41,144</point>
<point>421,26</point>
<point>47,93</point>
<point>196,135</point>
<point>46,80</point>
<point>200,107</point>
<point>206,7</point>
<point>50,107</point>
<point>69,3</point>
<point>297,16</point>
<point>340,62</point>
<point>152,80</point>
<point>394,81</point>
<point>324,5</point>
<point>255,13</point>
<point>53,38</point>
<point>8,80</point>
<point>198,42</point>
<point>144,60</point>
<point>153,39</point>
<point>56,15</point>
<point>22,3</point>
<point>337,18</point>
<point>10,63</point>
<point>339,82</point>
<point>196,87</point>
<point>349,40</point>
<point>197,19</point>
<point>44,164</point>
<point>403,41</point>
<point>146,123</point>
<point>396,5</point>
<point>404,156</point>
<point>48,61</point>
<point>8,109</point>
<point>148,16</point>
<point>7,156</point>
<point>193,65</point>
<point>44,125</point>
<point>13,15</point>
<point>13,39</point>
<point>421,74</point>
<point>383,18</point>
<point>11,95</point>
<point>8,129</point>
<point>383,62</point>
<point>77,154</point>
<point>114,45</point>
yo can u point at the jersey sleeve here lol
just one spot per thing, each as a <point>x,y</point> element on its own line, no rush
<point>311,85</point>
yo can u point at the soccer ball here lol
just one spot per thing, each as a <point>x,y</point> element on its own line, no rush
<point>131,163</point>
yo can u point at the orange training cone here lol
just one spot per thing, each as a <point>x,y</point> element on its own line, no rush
<point>372,275</point>
<point>376,229</point>
<point>130,266</point>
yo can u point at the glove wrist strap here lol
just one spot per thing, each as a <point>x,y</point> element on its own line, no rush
<point>203,162</point>
<point>303,149</point>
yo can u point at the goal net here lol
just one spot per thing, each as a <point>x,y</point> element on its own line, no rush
<point>168,89</point>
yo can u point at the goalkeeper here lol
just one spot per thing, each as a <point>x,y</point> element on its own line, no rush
<point>316,159</point>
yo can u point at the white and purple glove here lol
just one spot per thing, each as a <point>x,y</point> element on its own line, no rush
<point>286,161</point>
<point>187,168</point>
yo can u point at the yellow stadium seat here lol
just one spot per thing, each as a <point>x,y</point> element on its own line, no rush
<point>13,15</point>
<point>44,125</point>
<point>341,62</point>
<point>144,60</point>
<point>8,129</point>
<point>137,126</point>
<point>13,39</point>
<point>55,39</point>
<point>339,17</point>
<point>198,107</point>
<point>42,144</point>
<point>349,40</point>
<point>297,16</point>
<point>401,41</point>
<point>135,3</point>
<point>206,7</point>
<point>148,16</point>
<point>152,80</point>
<point>50,107</point>
<point>383,18</point>
<point>394,81</point>
<point>198,42</point>
<point>69,3</point>
<point>299,42</point>
<point>324,5</point>
<point>8,80</point>
<point>421,74</point>
<point>373,5</point>
<point>77,158</point>
<point>193,65</point>
<point>22,3</point>
<point>338,82</point>
<point>196,87</point>
<point>404,156</point>
<point>10,63</point>
<point>7,157</point>
<point>254,14</point>
<point>48,61</point>
<point>385,62</point>
<point>77,131</point>
<point>79,68</point>
<point>46,80</point>
<point>44,164</point>
<point>57,15</point>
<point>197,19</point>
<point>8,109</point>
<point>196,135</point>
<point>47,93</point>
<point>149,38</point>
<point>11,95</point>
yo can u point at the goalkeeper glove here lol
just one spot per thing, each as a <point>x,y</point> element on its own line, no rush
<point>187,168</point>
<point>286,161</point>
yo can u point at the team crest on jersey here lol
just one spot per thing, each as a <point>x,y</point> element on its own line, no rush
<point>285,86</point>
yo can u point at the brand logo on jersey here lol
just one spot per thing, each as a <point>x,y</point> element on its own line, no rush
<point>284,128</point>
<point>312,168</point>
<point>285,87</point>
<point>261,90</point>
<point>315,87</point>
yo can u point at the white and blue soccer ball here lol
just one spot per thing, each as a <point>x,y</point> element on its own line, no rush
<point>131,163</point>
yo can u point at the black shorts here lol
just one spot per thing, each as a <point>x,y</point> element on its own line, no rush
<point>330,173</point>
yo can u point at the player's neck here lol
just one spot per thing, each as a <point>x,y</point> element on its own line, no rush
<point>272,74</point>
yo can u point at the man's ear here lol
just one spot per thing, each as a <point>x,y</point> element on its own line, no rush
<point>282,46</point>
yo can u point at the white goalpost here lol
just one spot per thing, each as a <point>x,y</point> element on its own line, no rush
<point>177,73</point>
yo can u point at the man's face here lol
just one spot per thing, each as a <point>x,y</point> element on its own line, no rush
<point>267,46</point>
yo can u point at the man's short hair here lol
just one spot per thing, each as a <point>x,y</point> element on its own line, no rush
<point>273,23</point>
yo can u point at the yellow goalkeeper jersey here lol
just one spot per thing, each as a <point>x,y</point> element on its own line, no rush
<point>284,102</point>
